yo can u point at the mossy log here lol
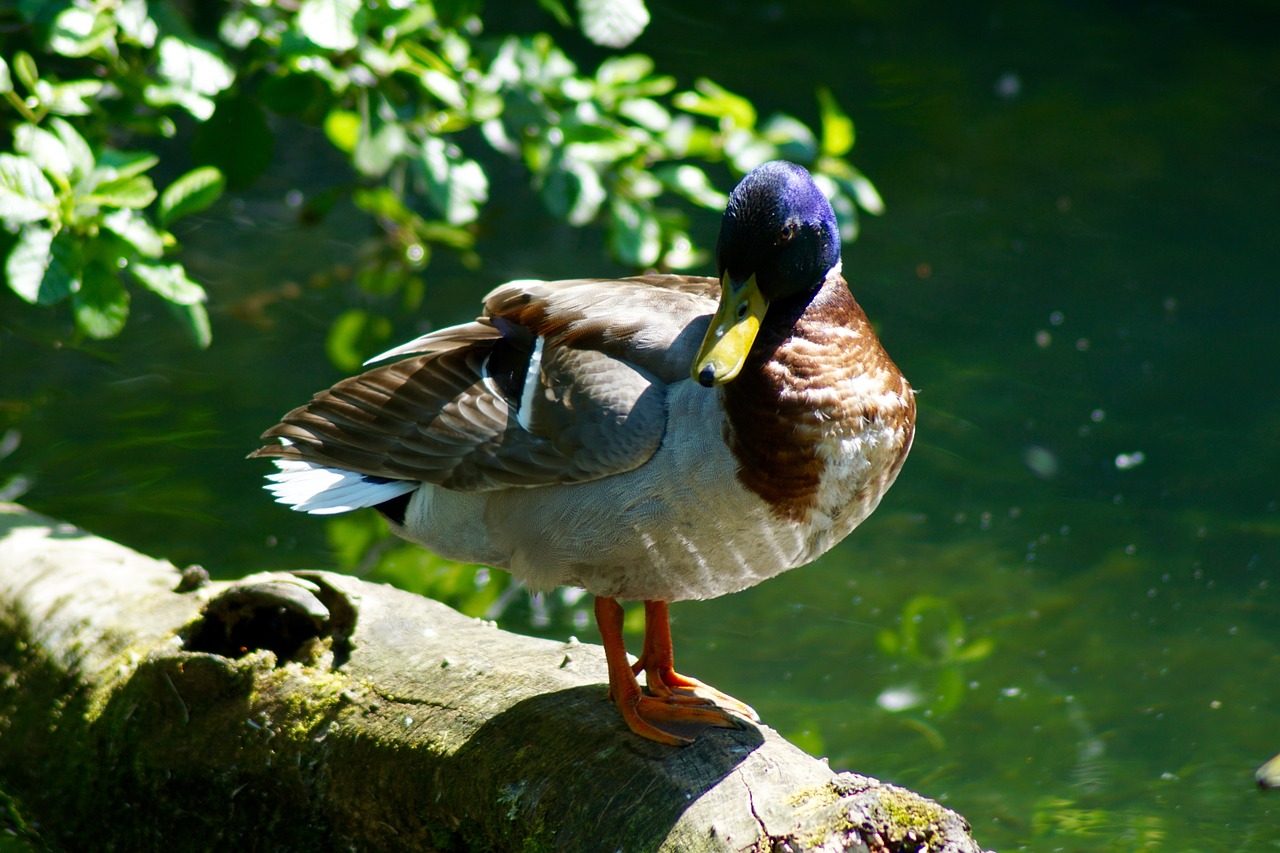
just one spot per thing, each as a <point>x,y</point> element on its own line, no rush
<point>143,708</point>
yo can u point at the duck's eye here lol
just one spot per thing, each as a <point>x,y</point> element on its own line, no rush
<point>788,233</point>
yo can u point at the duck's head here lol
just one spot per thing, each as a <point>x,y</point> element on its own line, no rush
<point>778,239</point>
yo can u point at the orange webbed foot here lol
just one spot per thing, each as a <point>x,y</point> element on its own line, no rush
<point>677,708</point>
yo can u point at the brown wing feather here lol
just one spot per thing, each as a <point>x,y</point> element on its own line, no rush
<point>610,350</point>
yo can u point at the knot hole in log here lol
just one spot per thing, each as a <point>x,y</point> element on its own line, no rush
<point>286,615</point>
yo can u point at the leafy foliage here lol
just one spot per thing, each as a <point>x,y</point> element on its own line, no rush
<point>418,97</point>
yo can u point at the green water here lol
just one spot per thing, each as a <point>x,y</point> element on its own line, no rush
<point>1062,619</point>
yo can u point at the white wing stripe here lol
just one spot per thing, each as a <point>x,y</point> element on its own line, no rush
<point>532,385</point>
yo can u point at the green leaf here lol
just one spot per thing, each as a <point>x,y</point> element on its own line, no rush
<point>191,76</point>
<point>612,23</point>
<point>101,306</point>
<point>192,66</point>
<point>636,237</point>
<point>191,193</point>
<point>557,10</point>
<point>573,191</point>
<point>117,165</point>
<point>78,151</point>
<point>792,137</point>
<point>136,23</point>
<point>445,87</point>
<point>330,24</point>
<point>621,70</point>
<point>25,67</point>
<point>72,97</point>
<point>195,321</point>
<point>134,229</point>
<point>169,281</point>
<point>44,148</point>
<point>692,183</point>
<point>377,151</point>
<point>866,193</point>
<point>78,31</point>
<point>135,192</point>
<point>456,186</point>
<point>713,100</point>
<point>354,334</point>
<point>6,81</point>
<point>646,112</point>
<point>342,127</point>
<point>25,193</point>
<point>837,127</point>
<point>40,272</point>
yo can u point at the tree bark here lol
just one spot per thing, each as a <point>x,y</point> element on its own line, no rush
<point>144,708</point>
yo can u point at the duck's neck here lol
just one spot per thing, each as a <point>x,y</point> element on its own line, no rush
<point>792,394</point>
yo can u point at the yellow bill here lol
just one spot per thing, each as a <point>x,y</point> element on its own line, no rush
<point>733,329</point>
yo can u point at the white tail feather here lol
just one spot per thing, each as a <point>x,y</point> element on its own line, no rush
<point>318,490</point>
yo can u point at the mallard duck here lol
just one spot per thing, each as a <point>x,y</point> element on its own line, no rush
<point>657,438</point>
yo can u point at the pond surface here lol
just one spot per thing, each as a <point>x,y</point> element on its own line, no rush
<point>1062,619</point>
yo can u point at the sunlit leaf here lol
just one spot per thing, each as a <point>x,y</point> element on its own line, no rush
<point>114,165</point>
<point>193,74</point>
<point>37,272</point>
<point>194,319</point>
<point>866,193</point>
<point>134,229</point>
<point>136,23</point>
<point>6,81</point>
<point>645,112</point>
<point>72,97</point>
<point>574,192</point>
<point>136,192</point>
<point>190,193</point>
<point>194,67</point>
<point>238,28</point>
<point>44,148</point>
<point>381,202</point>
<point>619,70</point>
<point>456,186</point>
<point>791,137</point>
<point>78,31</point>
<point>635,236</point>
<point>25,193</point>
<point>329,23</point>
<point>169,281</point>
<point>711,99</point>
<point>746,150</point>
<point>837,127</point>
<point>78,151</point>
<point>355,334</point>
<point>101,305</point>
<point>376,152</point>
<point>557,11</point>
<point>25,69</point>
<point>612,23</point>
<point>692,183</point>
<point>445,88</point>
<point>342,127</point>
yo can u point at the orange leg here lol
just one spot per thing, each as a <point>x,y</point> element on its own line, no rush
<point>676,723</point>
<point>657,661</point>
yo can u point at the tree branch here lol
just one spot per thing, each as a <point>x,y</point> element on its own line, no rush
<point>142,708</point>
